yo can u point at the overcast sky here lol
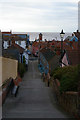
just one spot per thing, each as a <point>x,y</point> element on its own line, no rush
<point>39,15</point>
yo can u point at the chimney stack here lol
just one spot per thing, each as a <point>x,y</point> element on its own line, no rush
<point>72,34</point>
<point>77,31</point>
<point>40,37</point>
<point>13,40</point>
<point>11,31</point>
<point>45,40</point>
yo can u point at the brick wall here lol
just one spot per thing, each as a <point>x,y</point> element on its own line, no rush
<point>70,101</point>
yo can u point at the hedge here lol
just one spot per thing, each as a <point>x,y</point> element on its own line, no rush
<point>68,77</point>
<point>22,67</point>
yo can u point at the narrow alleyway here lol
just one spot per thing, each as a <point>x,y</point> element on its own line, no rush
<point>34,99</point>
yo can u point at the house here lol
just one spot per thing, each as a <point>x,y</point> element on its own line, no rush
<point>70,57</point>
<point>73,42</point>
<point>77,34</point>
<point>21,51</point>
<point>6,36</point>
<point>11,53</point>
<point>71,38</point>
<point>20,39</point>
<point>49,60</point>
<point>16,47</point>
<point>17,52</point>
<point>35,48</point>
<point>38,44</point>
<point>6,39</point>
<point>25,54</point>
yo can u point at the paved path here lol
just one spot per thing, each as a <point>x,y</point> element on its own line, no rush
<point>34,99</point>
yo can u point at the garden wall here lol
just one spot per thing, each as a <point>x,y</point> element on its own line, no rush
<point>70,101</point>
<point>9,68</point>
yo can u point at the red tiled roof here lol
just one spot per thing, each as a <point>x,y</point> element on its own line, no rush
<point>35,44</point>
<point>70,45</point>
<point>77,34</point>
<point>6,32</point>
<point>73,57</point>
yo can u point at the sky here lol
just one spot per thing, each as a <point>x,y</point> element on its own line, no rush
<point>39,15</point>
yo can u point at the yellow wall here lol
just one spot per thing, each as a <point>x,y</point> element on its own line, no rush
<point>9,68</point>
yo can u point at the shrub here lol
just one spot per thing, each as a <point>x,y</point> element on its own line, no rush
<point>53,72</point>
<point>21,69</point>
<point>68,77</point>
<point>24,61</point>
<point>69,82</point>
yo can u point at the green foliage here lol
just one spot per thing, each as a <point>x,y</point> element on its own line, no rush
<point>21,69</point>
<point>69,82</point>
<point>68,77</point>
<point>53,72</point>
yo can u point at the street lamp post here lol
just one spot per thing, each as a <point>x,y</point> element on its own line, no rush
<point>62,36</point>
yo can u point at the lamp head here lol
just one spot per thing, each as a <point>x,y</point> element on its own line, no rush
<point>62,34</point>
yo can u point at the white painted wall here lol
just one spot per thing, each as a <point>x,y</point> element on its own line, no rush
<point>65,61</point>
<point>26,57</point>
<point>23,44</point>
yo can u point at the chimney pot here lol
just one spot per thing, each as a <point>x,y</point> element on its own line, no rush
<point>77,31</point>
